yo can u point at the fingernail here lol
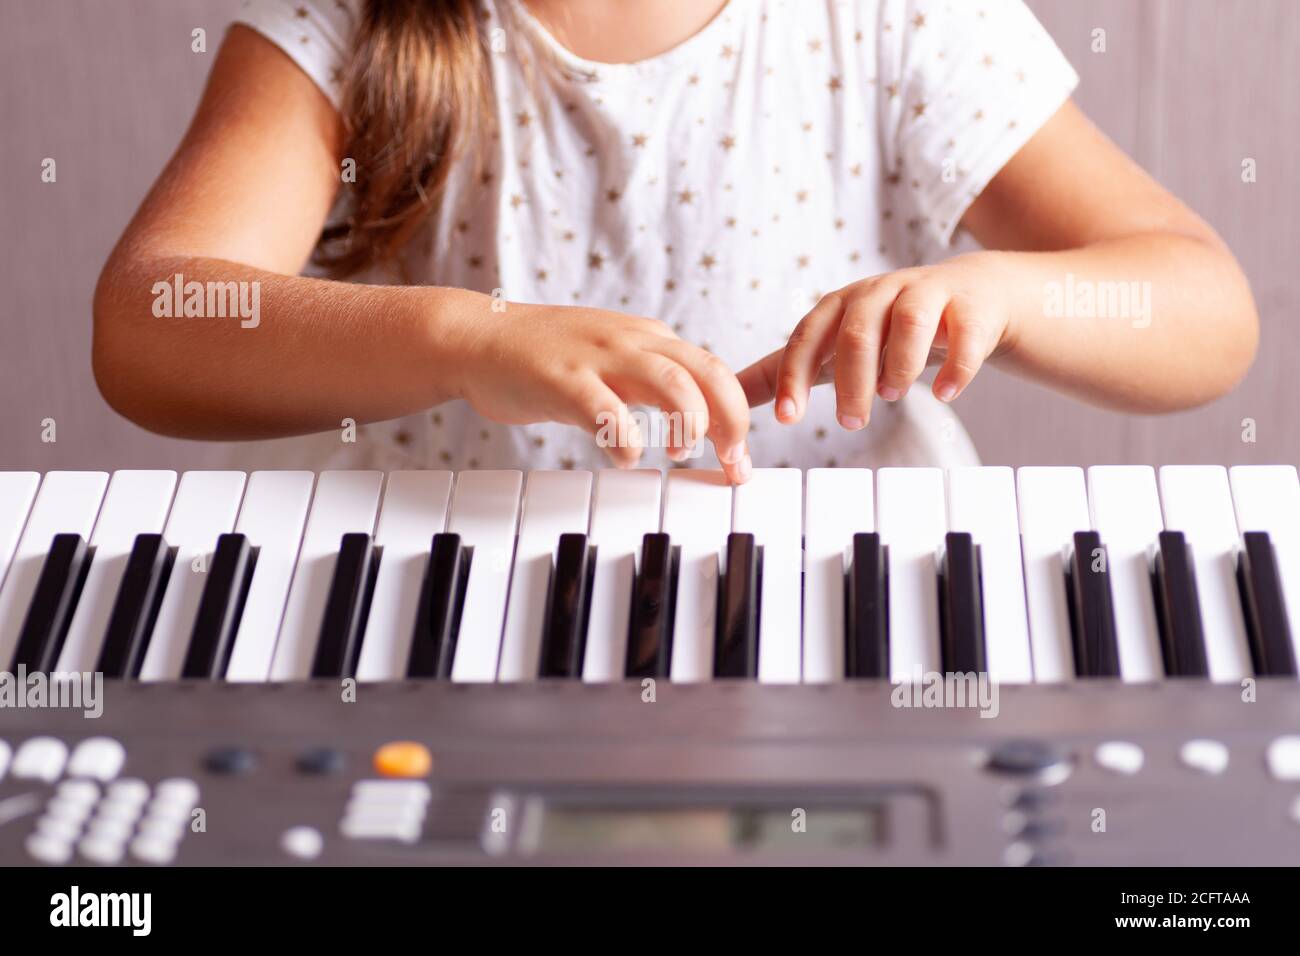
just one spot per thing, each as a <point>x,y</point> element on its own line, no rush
<point>744,469</point>
<point>889,393</point>
<point>851,422</point>
<point>732,455</point>
<point>947,393</point>
<point>676,453</point>
<point>785,408</point>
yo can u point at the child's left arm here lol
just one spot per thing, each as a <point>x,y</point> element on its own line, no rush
<point>1068,218</point>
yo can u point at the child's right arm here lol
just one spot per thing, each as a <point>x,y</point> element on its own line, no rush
<point>244,199</point>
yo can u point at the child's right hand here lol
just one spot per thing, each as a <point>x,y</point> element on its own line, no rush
<point>583,367</point>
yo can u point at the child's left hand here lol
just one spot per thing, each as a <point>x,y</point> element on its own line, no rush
<point>876,336</point>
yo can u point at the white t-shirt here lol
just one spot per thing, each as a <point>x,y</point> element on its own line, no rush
<point>787,149</point>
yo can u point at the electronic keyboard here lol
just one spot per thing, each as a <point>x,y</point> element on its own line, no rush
<point>907,665</point>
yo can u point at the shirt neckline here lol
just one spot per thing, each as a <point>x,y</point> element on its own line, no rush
<point>722,24</point>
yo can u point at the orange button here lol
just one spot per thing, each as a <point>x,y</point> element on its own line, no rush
<point>403,758</point>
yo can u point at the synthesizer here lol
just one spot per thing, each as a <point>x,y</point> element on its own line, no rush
<point>1032,667</point>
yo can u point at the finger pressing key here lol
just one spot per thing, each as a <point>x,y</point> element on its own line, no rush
<point>728,408</point>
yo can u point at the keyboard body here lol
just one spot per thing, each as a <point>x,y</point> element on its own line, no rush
<point>506,753</point>
<point>896,667</point>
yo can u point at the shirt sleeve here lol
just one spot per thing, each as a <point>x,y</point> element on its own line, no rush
<point>961,87</point>
<point>315,34</point>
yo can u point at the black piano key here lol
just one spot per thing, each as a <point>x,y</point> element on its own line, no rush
<point>346,608</point>
<point>53,602</point>
<point>961,606</point>
<point>442,600</point>
<point>130,624</point>
<point>1271,650</point>
<point>736,647</point>
<point>1178,609</point>
<point>650,635</point>
<point>564,638</point>
<point>220,608</point>
<point>1092,613</point>
<point>866,648</point>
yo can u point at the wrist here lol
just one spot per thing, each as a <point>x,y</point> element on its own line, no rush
<point>457,331</point>
<point>1004,290</point>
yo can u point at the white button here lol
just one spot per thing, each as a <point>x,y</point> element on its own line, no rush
<point>1121,756</point>
<point>98,849</point>
<point>169,829</point>
<point>112,808</point>
<point>79,791</point>
<point>60,828</point>
<point>1284,757</point>
<point>1207,756</point>
<point>65,809</point>
<point>305,843</point>
<point>406,830</point>
<point>173,813</point>
<point>178,791</point>
<point>107,828</point>
<point>362,816</point>
<point>152,849</point>
<point>97,757</point>
<point>129,790</point>
<point>40,758</point>
<point>391,791</point>
<point>4,759</point>
<point>1018,854</point>
<point>48,849</point>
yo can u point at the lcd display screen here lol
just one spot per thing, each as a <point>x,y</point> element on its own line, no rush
<point>576,828</point>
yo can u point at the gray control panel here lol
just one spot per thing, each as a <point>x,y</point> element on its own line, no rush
<point>1092,773</point>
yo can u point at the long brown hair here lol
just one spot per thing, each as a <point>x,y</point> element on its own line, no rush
<point>417,92</point>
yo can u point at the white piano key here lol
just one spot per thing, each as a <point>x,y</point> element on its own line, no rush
<point>1267,498</point>
<point>345,502</point>
<point>838,503</point>
<point>982,502</point>
<point>66,503</point>
<point>697,516</point>
<point>1198,502</point>
<point>205,508</point>
<point>485,513</point>
<point>17,492</point>
<point>1125,511</point>
<point>912,516</point>
<point>1053,506</point>
<point>414,510</point>
<point>770,507</point>
<point>272,516</point>
<point>555,503</point>
<point>136,503</point>
<point>624,509</point>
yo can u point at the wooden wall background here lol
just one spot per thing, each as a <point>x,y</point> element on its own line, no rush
<point>1188,87</point>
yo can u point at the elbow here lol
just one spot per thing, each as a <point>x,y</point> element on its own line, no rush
<point>1213,352</point>
<point>112,377</point>
<point>118,362</point>
<point>1235,342</point>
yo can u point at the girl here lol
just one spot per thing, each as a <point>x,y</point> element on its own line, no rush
<point>535,213</point>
